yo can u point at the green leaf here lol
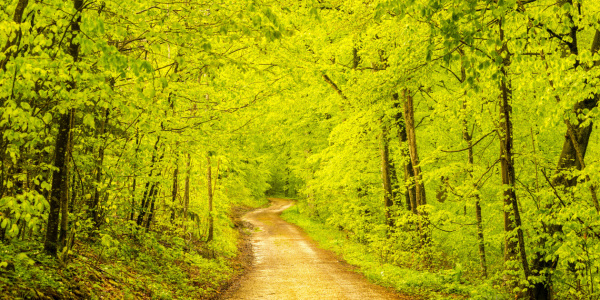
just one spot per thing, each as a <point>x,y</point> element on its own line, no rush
<point>89,120</point>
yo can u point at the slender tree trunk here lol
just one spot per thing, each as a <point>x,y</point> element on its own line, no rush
<point>64,201</point>
<point>216,177</point>
<point>73,189</point>
<point>94,206</point>
<point>51,243</point>
<point>412,148</point>
<point>210,200</point>
<point>174,191</point>
<point>480,239</point>
<point>420,199</point>
<point>149,188</point>
<point>511,206</point>
<point>62,138</point>
<point>135,166</point>
<point>596,46</point>
<point>469,139</point>
<point>3,167</point>
<point>152,201</point>
<point>388,200</point>
<point>186,195</point>
<point>148,202</point>
<point>409,173</point>
<point>133,184</point>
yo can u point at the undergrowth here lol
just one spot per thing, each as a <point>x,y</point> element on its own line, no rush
<point>425,283</point>
<point>127,263</point>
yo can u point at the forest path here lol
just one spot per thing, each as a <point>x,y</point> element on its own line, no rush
<point>289,265</point>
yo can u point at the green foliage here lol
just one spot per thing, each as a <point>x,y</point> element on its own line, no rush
<point>124,264</point>
<point>431,284</point>
<point>308,100</point>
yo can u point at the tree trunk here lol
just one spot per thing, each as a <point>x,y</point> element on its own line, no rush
<point>174,191</point>
<point>149,188</point>
<point>64,201</point>
<point>73,196</point>
<point>388,200</point>
<point>210,200</point>
<point>152,201</point>
<point>511,207</point>
<point>3,167</point>
<point>469,139</point>
<point>62,138</point>
<point>576,139</point>
<point>59,175</point>
<point>409,173</point>
<point>94,206</point>
<point>420,197</point>
<point>186,195</point>
<point>481,242</point>
<point>216,177</point>
<point>134,183</point>
<point>147,201</point>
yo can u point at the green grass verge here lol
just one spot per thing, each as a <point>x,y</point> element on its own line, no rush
<point>446,284</point>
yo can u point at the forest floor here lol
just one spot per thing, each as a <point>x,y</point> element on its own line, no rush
<point>289,265</point>
<point>151,266</point>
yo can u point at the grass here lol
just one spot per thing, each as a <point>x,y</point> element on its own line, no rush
<point>421,284</point>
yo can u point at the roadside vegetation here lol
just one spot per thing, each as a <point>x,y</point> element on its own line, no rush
<point>405,274</point>
<point>128,263</point>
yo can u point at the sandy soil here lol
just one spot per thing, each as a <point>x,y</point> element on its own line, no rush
<point>289,265</point>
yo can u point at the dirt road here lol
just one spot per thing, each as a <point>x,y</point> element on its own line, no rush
<point>288,265</point>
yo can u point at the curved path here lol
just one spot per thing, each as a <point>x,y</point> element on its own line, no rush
<point>289,265</point>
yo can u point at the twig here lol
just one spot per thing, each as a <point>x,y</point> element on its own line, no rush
<point>553,188</point>
<point>473,145</point>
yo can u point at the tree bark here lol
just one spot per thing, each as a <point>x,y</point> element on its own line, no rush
<point>469,139</point>
<point>411,194</point>
<point>596,46</point>
<point>480,239</point>
<point>152,200</point>
<point>174,191</point>
<point>576,139</point>
<point>210,200</point>
<point>388,200</point>
<point>420,197</point>
<point>412,147</point>
<point>186,195</point>
<point>62,138</point>
<point>149,188</point>
<point>64,201</point>
<point>512,248</point>
<point>134,183</point>
<point>94,206</point>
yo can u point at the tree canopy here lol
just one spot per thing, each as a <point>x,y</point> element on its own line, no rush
<point>440,133</point>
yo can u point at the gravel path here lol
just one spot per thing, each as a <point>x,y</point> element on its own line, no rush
<point>289,265</point>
